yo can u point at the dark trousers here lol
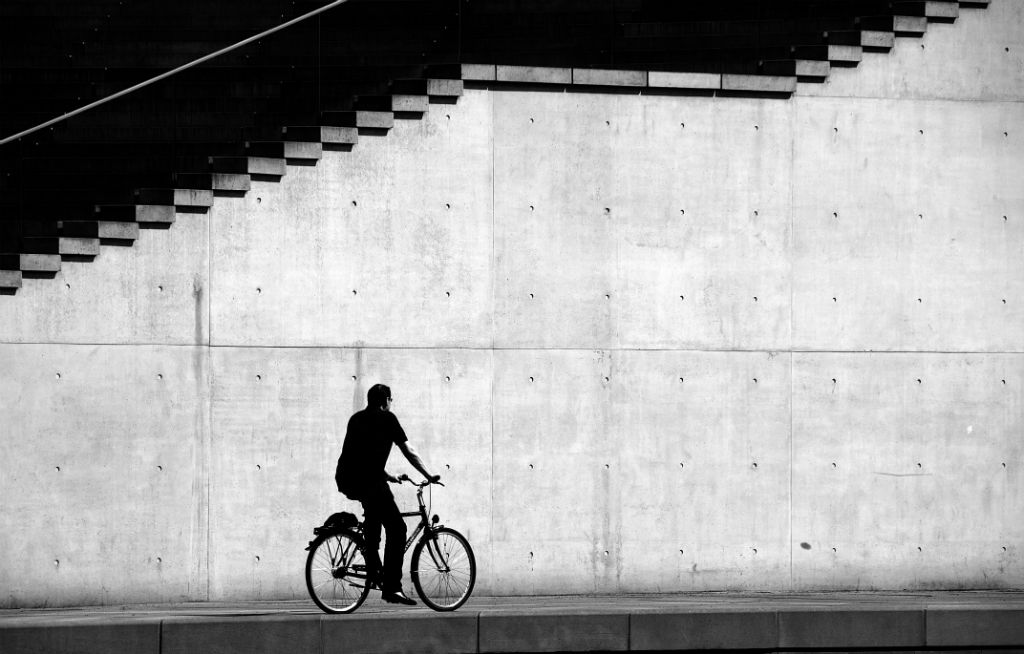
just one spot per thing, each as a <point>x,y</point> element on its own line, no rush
<point>380,510</point>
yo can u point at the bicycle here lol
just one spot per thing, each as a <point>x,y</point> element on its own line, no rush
<point>443,568</point>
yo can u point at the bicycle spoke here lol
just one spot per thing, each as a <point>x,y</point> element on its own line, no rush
<point>333,571</point>
<point>444,568</point>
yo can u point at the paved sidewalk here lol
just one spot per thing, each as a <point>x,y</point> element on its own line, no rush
<point>841,621</point>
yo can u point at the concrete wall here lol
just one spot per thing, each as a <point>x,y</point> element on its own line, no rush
<point>652,342</point>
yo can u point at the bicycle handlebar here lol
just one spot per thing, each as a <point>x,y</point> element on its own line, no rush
<point>420,484</point>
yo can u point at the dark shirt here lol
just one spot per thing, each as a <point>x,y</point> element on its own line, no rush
<point>368,441</point>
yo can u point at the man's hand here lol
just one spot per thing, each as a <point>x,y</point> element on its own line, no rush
<point>434,479</point>
<point>393,479</point>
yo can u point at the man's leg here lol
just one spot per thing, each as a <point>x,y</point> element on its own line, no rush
<point>394,546</point>
<point>371,535</point>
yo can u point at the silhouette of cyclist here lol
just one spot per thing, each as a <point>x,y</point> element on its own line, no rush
<point>361,476</point>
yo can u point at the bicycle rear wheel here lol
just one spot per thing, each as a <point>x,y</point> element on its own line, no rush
<point>336,573</point>
<point>443,569</point>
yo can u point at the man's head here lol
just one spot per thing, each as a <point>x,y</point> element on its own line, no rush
<point>379,397</point>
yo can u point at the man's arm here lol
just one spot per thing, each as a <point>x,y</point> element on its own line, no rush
<point>415,460</point>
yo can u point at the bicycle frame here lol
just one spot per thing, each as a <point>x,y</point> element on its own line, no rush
<point>424,525</point>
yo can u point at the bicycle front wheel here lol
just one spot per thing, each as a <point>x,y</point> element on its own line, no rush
<point>443,569</point>
<point>336,573</point>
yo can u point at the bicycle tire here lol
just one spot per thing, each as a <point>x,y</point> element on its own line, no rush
<point>336,573</point>
<point>443,569</point>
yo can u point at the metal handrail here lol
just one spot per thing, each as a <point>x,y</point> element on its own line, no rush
<point>169,73</point>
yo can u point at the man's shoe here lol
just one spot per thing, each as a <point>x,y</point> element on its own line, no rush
<point>397,597</point>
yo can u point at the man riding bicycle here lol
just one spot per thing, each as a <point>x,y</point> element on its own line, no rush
<point>361,476</point>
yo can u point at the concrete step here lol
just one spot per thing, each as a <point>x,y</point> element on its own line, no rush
<point>225,182</point>
<point>359,119</point>
<point>10,280</point>
<point>147,214</point>
<point>840,55</point>
<point>65,247</point>
<point>417,104</point>
<point>296,150</point>
<point>933,10</point>
<point>759,84</point>
<point>901,25</point>
<point>805,70</point>
<point>869,40</point>
<point>103,230</point>
<point>265,166</point>
<point>31,263</point>
<point>177,197</point>
<point>469,72</point>
<point>41,225</point>
<point>432,87</point>
<point>326,134</point>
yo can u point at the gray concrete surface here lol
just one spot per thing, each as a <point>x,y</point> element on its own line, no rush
<point>975,621</point>
<point>654,343</point>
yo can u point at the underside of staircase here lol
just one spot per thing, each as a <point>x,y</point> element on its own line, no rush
<point>96,179</point>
